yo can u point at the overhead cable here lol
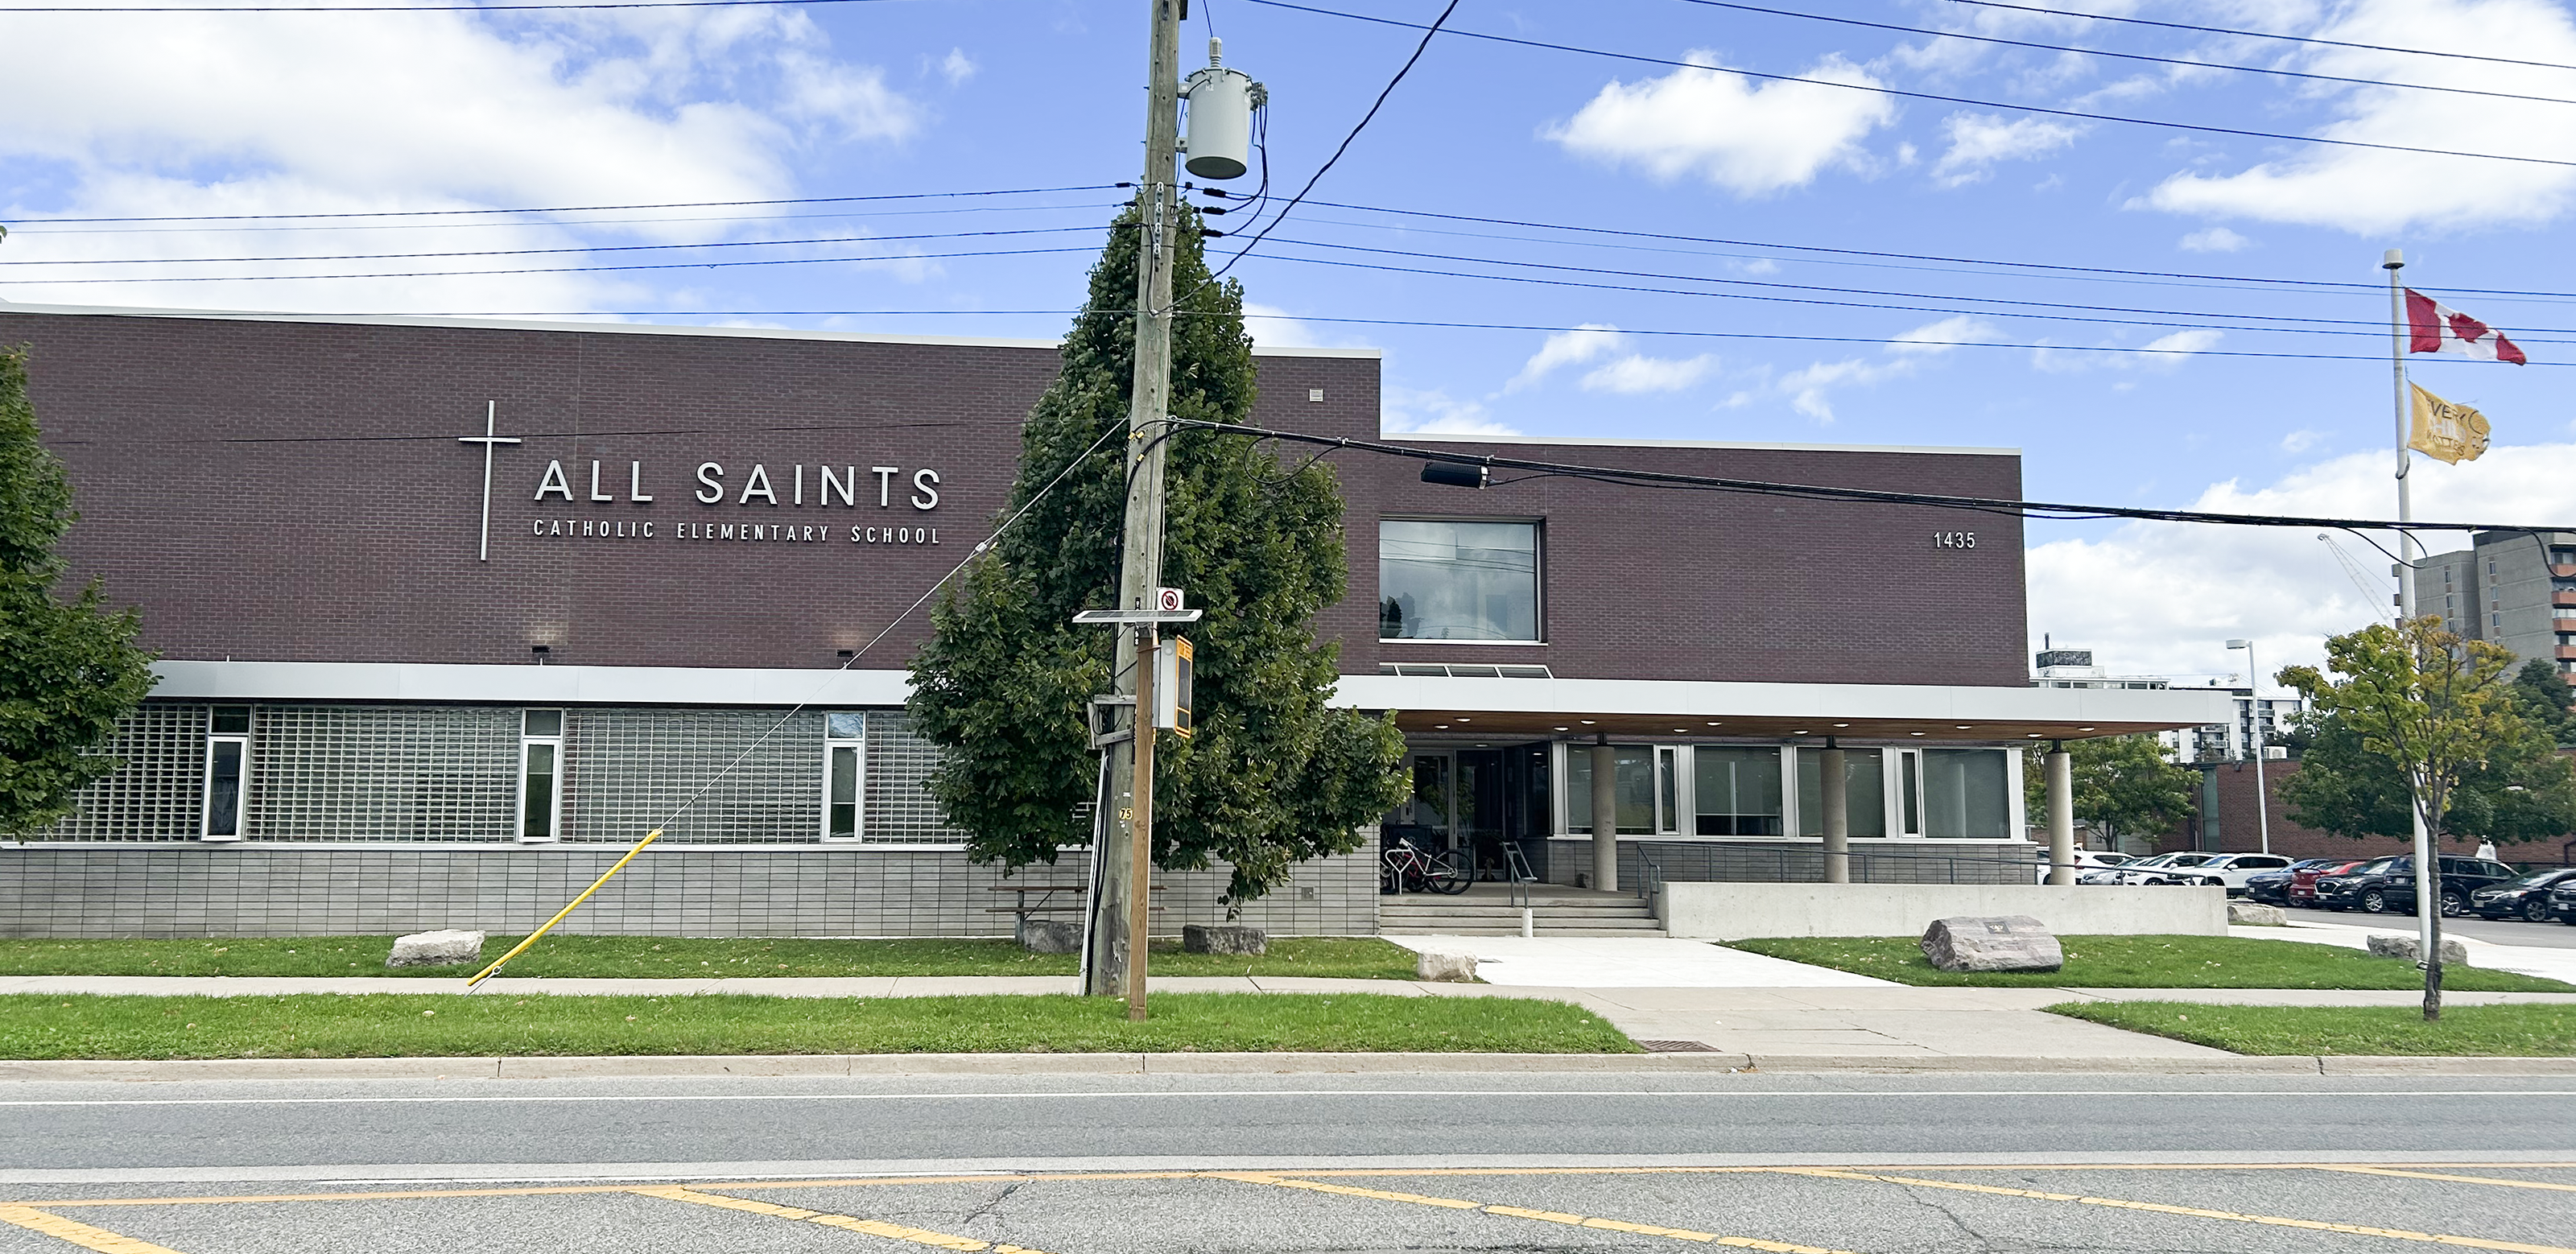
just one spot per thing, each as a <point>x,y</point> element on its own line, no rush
<point>2124,56</point>
<point>452,274</point>
<point>1936,97</point>
<point>672,204</point>
<point>2256,34</point>
<point>2005,506</point>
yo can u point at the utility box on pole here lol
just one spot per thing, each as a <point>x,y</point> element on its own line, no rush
<point>1172,664</point>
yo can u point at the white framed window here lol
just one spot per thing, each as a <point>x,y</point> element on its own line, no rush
<point>541,776</point>
<point>845,765</point>
<point>227,772</point>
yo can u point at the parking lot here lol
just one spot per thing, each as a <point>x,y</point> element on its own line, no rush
<point>1858,1209</point>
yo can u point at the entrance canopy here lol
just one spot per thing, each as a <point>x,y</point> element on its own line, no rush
<point>1911,713</point>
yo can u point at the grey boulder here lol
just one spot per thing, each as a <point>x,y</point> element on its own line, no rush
<point>2256,914</point>
<point>1449,965</point>
<point>1224,938</point>
<point>445,948</point>
<point>1051,936</point>
<point>2010,942</point>
<point>2411,949</point>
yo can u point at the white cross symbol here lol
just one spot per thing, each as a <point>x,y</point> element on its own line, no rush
<point>483,549</point>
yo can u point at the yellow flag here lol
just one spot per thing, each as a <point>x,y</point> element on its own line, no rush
<point>2448,432</point>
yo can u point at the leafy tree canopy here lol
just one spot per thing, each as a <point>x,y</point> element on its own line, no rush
<point>2123,785</point>
<point>68,670</point>
<point>1274,774</point>
<point>2431,716</point>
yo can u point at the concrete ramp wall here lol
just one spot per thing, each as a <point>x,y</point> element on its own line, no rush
<point>1735,911</point>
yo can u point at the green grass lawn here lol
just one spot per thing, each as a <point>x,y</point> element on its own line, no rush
<point>386,1025</point>
<point>2485,1031</point>
<point>664,957</point>
<point>2152,962</point>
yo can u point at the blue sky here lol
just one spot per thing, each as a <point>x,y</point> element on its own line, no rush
<point>188,114</point>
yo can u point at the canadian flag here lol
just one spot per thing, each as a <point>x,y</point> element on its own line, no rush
<point>2434,327</point>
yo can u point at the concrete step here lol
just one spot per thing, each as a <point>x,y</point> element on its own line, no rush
<point>1543,930</point>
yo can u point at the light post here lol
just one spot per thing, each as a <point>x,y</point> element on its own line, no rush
<point>2254,739</point>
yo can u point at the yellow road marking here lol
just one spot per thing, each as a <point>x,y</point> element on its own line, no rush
<point>1517,1212</point>
<point>76,1232</point>
<point>851,1223</point>
<point>2436,1175</point>
<point>2314,1225</point>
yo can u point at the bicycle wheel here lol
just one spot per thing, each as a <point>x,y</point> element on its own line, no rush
<point>1452,872</point>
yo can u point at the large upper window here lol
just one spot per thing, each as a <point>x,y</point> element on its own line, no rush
<point>1451,580</point>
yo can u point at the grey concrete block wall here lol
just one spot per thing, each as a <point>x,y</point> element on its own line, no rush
<point>183,890</point>
<point>1800,861</point>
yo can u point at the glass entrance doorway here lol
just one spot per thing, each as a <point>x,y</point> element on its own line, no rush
<point>1474,801</point>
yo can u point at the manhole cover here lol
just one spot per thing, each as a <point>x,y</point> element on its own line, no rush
<point>1676,1047</point>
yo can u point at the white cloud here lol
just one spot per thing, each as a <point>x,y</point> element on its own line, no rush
<point>1809,388</point>
<point>1566,348</point>
<point>2375,192</point>
<point>2217,239</point>
<point>1715,125</point>
<point>956,68</point>
<point>176,114</point>
<point>1637,373</point>
<point>2164,597</point>
<point>1979,140</point>
<point>1433,411</point>
<point>2301,441</point>
<point>2164,353</point>
<point>1273,327</point>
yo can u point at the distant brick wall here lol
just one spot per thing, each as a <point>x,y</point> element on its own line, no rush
<point>2239,828</point>
<point>196,890</point>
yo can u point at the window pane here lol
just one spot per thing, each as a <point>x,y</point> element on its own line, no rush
<point>545,723</point>
<point>845,726</point>
<point>1739,791</point>
<point>1457,580</point>
<point>1667,812</point>
<point>1964,791</point>
<point>223,788</point>
<point>1864,792</point>
<point>844,817</point>
<point>1633,789</point>
<point>537,794</point>
<point>1911,791</point>
<point>232,719</point>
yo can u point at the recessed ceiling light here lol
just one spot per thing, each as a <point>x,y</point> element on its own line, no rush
<point>1480,744</point>
<point>1463,719</point>
<point>1913,733</point>
<point>1963,727</point>
<point>1681,731</point>
<point>1800,732</point>
<point>1561,729</point>
<point>2083,729</point>
<point>2037,736</point>
<point>1713,722</point>
<point>1587,722</point>
<point>1441,726</point>
<point>1842,724</point>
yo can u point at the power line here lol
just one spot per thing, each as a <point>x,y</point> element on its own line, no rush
<point>452,274</point>
<point>1931,96</point>
<point>2005,506</point>
<point>843,215</point>
<point>2256,34</point>
<point>674,204</point>
<point>2124,56</point>
<point>418,8</point>
<point>592,248</point>
<point>1345,145</point>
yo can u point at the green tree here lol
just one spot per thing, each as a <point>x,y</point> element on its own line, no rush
<point>1274,774</point>
<point>2544,694</point>
<point>2436,706</point>
<point>2522,790</point>
<point>2123,786</point>
<point>68,670</point>
<point>2342,787</point>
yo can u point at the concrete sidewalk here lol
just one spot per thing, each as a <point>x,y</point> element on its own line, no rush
<point>2547,963</point>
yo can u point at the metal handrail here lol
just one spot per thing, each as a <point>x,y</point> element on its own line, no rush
<point>1516,870</point>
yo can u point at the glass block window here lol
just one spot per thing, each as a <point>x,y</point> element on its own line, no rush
<point>383,773</point>
<point>628,771</point>
<point>157,793</point>
<point>897,786</point>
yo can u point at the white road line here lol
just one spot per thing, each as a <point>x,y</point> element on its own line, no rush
<point>1132,1094</point>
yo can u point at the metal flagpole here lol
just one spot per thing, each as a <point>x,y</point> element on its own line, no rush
<point>2428,896</point>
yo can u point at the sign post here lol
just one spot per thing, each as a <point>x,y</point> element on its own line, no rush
<point>1145,715</point>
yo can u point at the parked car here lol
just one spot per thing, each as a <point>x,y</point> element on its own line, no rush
<point>2525,898</point>
<point>2085,860</point>
<point>2146,870</point>
<point>2226,870</point>
<point>2388,885</point>
<point>2272,888</point>
<point>2562,903</point>
<point>2304,877</point>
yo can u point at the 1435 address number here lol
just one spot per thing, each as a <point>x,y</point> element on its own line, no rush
<point>1954,539</point>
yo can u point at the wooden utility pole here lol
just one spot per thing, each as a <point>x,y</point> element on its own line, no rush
<point>1124,859</point>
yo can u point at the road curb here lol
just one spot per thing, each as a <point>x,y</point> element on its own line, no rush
<point>875,1065</point>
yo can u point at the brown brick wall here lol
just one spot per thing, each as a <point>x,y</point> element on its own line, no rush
<point>295,491</point>
<point>2239,827</point>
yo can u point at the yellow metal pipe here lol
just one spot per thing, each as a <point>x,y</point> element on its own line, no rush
<point>522,946</point>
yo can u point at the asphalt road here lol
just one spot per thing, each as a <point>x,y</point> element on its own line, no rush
<point>2500,931</point>
<point>1304,1163</point>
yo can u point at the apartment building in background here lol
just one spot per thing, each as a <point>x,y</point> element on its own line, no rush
<point>2513,588</point>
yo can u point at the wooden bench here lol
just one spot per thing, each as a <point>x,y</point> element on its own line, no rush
<point>1046,904</point>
